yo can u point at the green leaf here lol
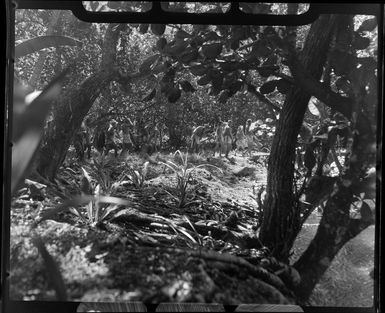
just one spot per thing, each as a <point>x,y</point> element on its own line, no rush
<point>204,80</point>
<point>181,35</point>
<point>42,42</point>
<point>143,28</point>
<point>211,36</point>
<point>271,60</point>
<point>234,44</point>
<point>150,96</point>
<point>175,49</point>
<point>368,25</point>
<point>342,62</point>
<point>224,96</point>
<point>174,95</point>
<point>366,212</point>
<point>28,125</point>
<point>158,29</point>
<point>230,66</point>
<point>145,67</point>
<point>268,87</point>
<point>186,86</point>
<point>161,43</point>
<point>189,55</point>
<point>259,50</point>
<point>236,86</point>
<point>251,88</point>
<point>114,5</point>
<point>360,42</point>
<point>211,51</point>
<point>312,106</point>
<point>266,71</point>
<point>198,70</point>
<point>309,159</point>
<point>283,86</point>
<point>343,84</point>
<point>86,183</point>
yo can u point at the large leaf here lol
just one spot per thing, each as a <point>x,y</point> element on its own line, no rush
<point>150,96</point>
<point>161,43</point>
<point>309,159</point>
<point>181,35</point>
<point>211,51</point>
<point>360,42</point>
<point>198,70</point>
<point>259,50</point>
<point>186,86</point>
<point>368,25</point>
<point>143,28</point>
<point>28,125</point>
<point>146,66</point>
<point>266,71</point>
<point>158,29</point>
<point>313,107</point>
<point>342,62</point>
<point>175,49</point>
<point>268,87</point>
<point>204,80</point>
<point>42,42</point>
<point>224,96</point>
<point>174,95</point>
<point>189,55</point>
<point>283,86</point>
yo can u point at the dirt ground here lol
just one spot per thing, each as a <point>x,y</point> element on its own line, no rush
<point>139,252</point>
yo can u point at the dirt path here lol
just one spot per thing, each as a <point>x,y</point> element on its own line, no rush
<point>347,282</point>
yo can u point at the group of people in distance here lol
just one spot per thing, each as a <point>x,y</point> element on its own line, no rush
<point>244,138</point>
<point>111,136</point>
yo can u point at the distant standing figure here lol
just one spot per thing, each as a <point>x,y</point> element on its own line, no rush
<point>227,138</point>
<point>99,139</point>
<point>82,142</point>
<point>110,139</point>
<point>126,139</point>
<point>249,137</point>
<point>241,138</point>
<point>196,137</point>
<point>219,139</point>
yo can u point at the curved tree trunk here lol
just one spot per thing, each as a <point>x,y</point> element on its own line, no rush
<point>68,114</point>
<point>70,110</point>
<point>281,219</point>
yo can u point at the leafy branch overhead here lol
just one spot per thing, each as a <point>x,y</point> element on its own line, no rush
<point>227,58</point>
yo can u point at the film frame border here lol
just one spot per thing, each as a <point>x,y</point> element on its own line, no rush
<point>157,15</point>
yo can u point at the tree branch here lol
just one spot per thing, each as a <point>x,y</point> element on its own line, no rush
<point>272,106</point>
<point>317,89</point>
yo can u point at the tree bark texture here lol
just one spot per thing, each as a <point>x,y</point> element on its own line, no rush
<point>70,110</point>
<point>68,114</point>
<point>281,216</point>
<point>337,226</point>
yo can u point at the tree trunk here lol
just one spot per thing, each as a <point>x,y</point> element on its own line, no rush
<point>68,114</point>
<point>281,217</point>
<point>173,125</point>
<point>70,110</point>
<point>336,226</point>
